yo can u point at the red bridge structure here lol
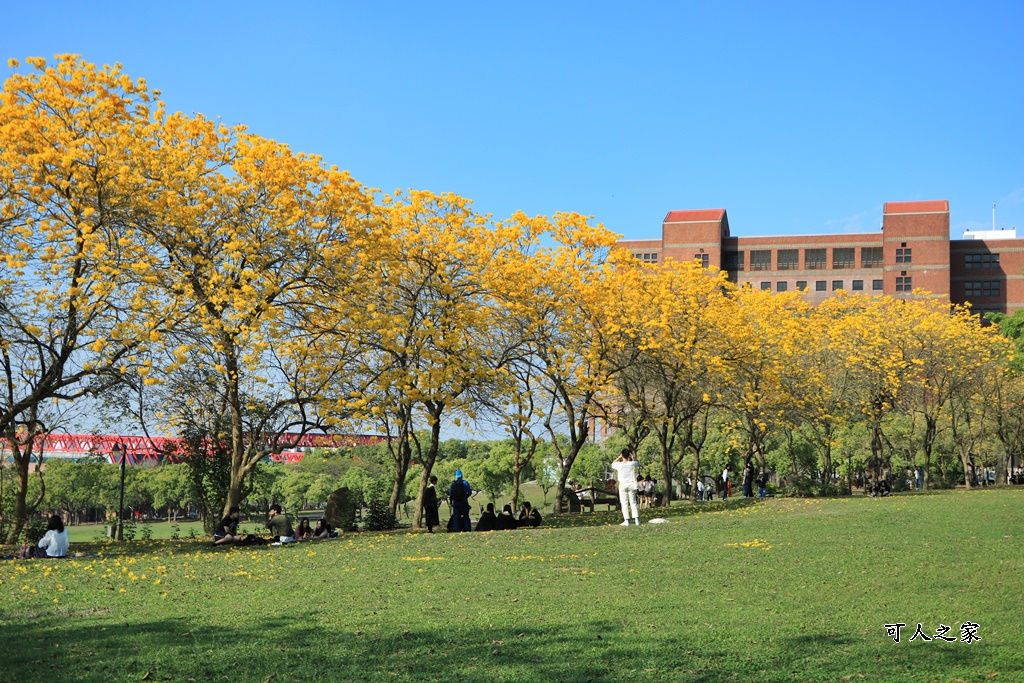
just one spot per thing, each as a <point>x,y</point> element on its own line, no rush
<point>152,450</point>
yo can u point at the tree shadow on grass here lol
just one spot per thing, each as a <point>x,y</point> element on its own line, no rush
<point>282,648</point>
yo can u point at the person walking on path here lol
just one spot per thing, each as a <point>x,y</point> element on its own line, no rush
<point>726,483</point>
<point>459,493</point>
<point>625,471</point>
<point>430,516</point>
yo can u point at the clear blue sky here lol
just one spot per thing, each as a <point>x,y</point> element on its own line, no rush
<point>796,118</point>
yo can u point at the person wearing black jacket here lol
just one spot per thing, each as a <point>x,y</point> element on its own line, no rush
<point>529,515</point>
<point>430,516</point>
<point>506,520</point>
<point>488,520</point>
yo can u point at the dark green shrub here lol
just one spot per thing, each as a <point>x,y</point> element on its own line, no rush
<point>379,515</point>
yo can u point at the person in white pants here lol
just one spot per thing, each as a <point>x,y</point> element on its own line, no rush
<point>625,467</point>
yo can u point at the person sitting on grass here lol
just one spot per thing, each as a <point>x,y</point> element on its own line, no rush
<point>323,530</point>
<point>227,531</point>
<point>506,520</point>
<point>55,540</point>
<point>529,515</point>
<point>280,528</point>
<point>303,532</point>
<point>488,520</point>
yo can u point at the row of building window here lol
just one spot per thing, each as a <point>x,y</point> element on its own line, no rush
<point>814,259</point>
<point>980,260</point>
<point>822,285</point>
<point>982,288</point>
<point>817,259</point>
<point>904,284</point>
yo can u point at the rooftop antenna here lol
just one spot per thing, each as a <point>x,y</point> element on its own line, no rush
<point>993,215</point>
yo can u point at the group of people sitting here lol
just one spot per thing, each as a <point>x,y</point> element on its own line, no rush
<point>489,521</point>
<point>279,526</point>
<point>881,488</point>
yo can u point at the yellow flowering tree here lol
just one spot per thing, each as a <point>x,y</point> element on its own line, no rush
<point>761,351</point>
<point>77,299</point>
<point>244,231</point>
<point>575,343</point>
<point>680,312</point>
<point>419,324</point>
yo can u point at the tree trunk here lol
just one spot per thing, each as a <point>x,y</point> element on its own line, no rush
<point>930,429</point>
<point>428,466</point>
<point>22,508</point>
<point>516,476</point>
<point>237,481</point>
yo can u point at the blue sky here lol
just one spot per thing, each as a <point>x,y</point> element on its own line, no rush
<point>795,117</point>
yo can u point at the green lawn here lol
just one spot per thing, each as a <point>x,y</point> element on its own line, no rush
<point>786,590</point>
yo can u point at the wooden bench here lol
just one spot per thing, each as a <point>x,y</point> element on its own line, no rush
<point>591,498</point>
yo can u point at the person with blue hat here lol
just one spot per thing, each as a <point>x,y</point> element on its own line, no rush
<point>459,493</point>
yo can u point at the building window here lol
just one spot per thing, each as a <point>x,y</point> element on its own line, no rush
<point>781,286</point>
<point>837,285</point>
<point>815,259</point>
<point>761,260</point>
<point>844,258</point>
<point>820,286</point>
<point>903,284</point>
<point>648,257</point>
<point>733,260</point>
<point>903,255</point>
<point>766,286</point>
<point>857,286</point>
<point>982,288</point>
<point>876,286</point>
<point>975,261</point>
<point>801,285</point>
<point>870,257</point>
<point>789,259</point>
<point>702,259</point>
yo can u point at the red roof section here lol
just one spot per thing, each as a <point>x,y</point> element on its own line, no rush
<point>937,206</point>
<point>694,216</point>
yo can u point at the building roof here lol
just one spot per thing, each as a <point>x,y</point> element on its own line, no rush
<point>696,216</point>
<point>938,206</point>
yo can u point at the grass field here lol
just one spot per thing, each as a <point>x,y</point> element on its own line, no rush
<point>778,591</point>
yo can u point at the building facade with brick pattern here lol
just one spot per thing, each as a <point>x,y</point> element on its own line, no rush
<point>912,251</point>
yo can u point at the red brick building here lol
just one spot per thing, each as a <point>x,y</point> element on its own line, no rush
<point>912,251</point>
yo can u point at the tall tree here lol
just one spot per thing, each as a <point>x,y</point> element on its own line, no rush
<point>573,339</point>
<point>76,294</point>
<point>244,230</point>
<point>419,324</point>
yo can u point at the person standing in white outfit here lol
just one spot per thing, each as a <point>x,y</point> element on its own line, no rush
<point>625,471</point>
